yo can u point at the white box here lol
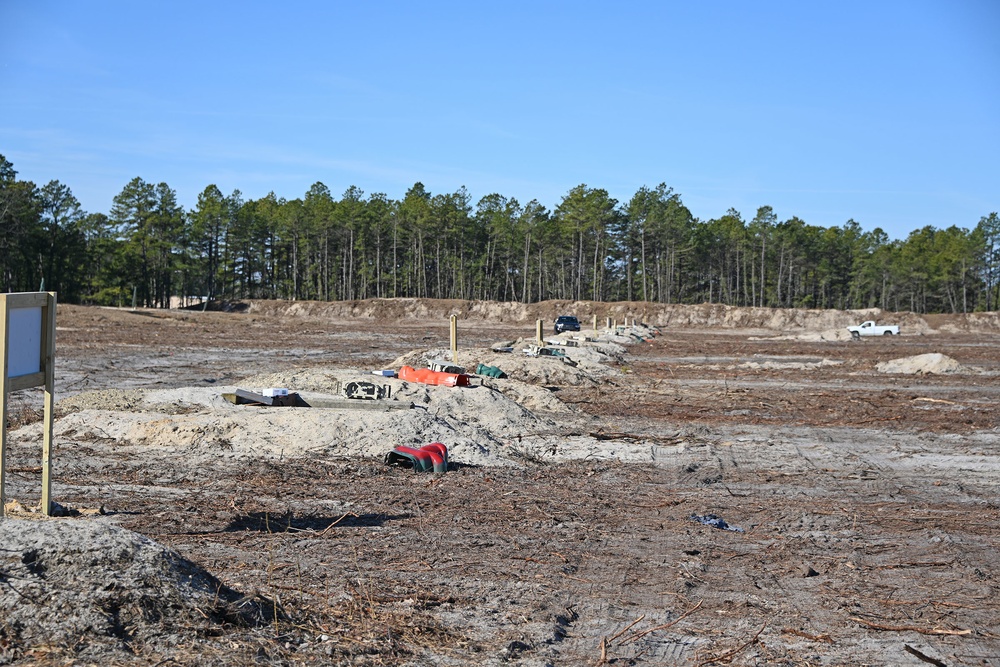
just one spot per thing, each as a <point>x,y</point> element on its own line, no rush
<point>271,392</point>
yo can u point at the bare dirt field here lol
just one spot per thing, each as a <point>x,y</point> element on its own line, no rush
<point>749,487</point>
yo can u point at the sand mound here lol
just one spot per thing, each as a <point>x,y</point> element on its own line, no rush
<point>706,315</point>
<point>922,364</point>
<point>814,336</point>
<point>965,323</point>
<point>496,422</point>
<point>533,398</point>
<point>108,399</point>
<point>476,423</point>
<point>787,365</point>
<point>87,584</point>
<point>590,368</point>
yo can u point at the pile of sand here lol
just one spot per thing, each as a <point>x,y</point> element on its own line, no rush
<point>988,322</point>
<point>109,399</point>
<point>476,423</point>
<point>922,364</point>
<point>496,422</point>
<point>706,315</point>
<point>838,334</point>
<point>93,585</point>
<point>787,365</point>
<point>590,363</point>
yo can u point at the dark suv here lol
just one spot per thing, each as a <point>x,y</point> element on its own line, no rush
<point>567,323</point>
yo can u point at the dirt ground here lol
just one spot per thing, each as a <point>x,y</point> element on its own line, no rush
<point>864,523</point>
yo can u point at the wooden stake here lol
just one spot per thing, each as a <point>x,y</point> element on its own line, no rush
<point>454,339</point>
<point>49,368</point>
<point>4,311</point>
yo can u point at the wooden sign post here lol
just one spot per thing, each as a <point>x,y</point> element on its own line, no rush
<point>27,359</point>
<point>454,339</point>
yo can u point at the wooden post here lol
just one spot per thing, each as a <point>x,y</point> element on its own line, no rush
<point>49,365</point>
<point>538,332</point>
<point>4,311</point>
<point>454,339</point>
<point>595,323</point>
<point>608,323</point>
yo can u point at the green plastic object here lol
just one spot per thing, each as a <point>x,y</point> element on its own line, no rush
<point>490,371</point>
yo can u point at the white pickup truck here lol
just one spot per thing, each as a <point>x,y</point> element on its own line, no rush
<point>869,328</point>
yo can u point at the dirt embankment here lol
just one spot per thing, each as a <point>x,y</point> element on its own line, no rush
<point>656,314</point>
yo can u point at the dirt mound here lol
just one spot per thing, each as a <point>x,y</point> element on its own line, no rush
<point>921,364</point>
<point>706,315</point>
<point>540,371</point>
<point>779,319</point>
<point>838,334</point>
<point>476,423</point>
<point>90,586</point>
<point>105,399</point>
<point>966,323</point>
<point>787,365</point>
<point>300,380</point>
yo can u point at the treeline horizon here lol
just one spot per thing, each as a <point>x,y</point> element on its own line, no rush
<point>147,248</point>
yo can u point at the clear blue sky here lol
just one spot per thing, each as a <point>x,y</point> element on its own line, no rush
<point>887,112</point>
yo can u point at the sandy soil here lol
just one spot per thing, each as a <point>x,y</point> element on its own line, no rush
<point>858,479</point>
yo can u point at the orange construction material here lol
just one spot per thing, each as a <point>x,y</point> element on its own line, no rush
<point>427,376</point>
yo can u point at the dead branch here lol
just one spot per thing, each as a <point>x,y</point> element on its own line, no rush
<point>937,563</point>
<point>730,654</point>
<point>910,628</point>
<point>923,656</point>
<point>635,437</point>
<point>816,638</point>
<point>603,660</point>
<point>327,529</point>
<point>626,628</point>
<point>661,627</point>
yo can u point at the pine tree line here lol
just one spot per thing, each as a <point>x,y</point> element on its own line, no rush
<point>147,249</point>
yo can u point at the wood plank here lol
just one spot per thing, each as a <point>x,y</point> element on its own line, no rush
<point>355,404</point>
<point>26,381</point>
<point>27,299</point>
<point>254,397</point>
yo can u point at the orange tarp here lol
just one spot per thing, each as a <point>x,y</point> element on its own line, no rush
<point>427,376</point>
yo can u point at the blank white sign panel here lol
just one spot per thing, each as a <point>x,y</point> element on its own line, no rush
<point>24,346</point>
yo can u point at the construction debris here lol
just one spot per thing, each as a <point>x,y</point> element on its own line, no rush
<point>538,351</point>
<point>366,391</point>
<point>715,522</point>
<point>244,397</point>
<point>490,371</point>
<point>441,366</point>
<point>432,457</point>
<point>428,376</point>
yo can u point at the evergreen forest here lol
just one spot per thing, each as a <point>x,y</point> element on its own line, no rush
<point>147,249</point>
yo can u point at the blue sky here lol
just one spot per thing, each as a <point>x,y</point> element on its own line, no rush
<point>884,112</point>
